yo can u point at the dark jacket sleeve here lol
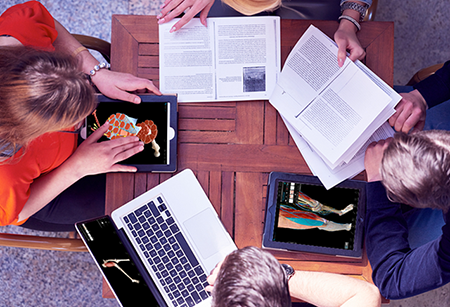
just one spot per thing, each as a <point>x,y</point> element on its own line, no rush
<point>436,88</point>
<point>399,271</point>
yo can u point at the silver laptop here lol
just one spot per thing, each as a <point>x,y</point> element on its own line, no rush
<point>166,243</point>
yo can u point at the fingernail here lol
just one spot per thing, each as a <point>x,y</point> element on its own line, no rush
<point>137,100</point>
<point>173,29</point>
<point>159,16</point>
<point>161,21</point>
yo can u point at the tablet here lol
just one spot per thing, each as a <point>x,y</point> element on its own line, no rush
<point>302,215</point>
<point>154,121</point>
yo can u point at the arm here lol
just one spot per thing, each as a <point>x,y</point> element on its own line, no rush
<point>333,290</point>
<point>173,8</point>
<point>90,158</point>
<point>436,88</point>
<point>112,84</point>
<point>399,271</point>
<point>345,36</point>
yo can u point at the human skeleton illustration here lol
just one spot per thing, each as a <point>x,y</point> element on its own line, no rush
<point>122,125</point>
<point>109,263</point>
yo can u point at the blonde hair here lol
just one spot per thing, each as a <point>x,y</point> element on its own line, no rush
<point>40,92</point>
<point>252,7</point>
<point>415,169</point>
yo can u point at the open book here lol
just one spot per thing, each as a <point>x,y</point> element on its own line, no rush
<point>235,58</point>
<point>331,111</point>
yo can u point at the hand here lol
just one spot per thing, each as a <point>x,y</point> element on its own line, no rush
<point>345,38</point>
<point>92,157</point>
<point>116,85</point>
<point>213,276</point>
<point>173,8</point>
<point>411,112</point>
<point>373,157</point>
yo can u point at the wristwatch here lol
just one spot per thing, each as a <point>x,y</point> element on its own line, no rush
<point>288,270</point>
<point>361,9</point>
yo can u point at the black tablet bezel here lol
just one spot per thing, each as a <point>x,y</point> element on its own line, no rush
<point>271,207</point>
<point>173,123</point>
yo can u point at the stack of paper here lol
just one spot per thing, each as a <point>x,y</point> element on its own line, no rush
<point>333,113</point>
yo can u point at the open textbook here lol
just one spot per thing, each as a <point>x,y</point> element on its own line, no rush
<point>234,58</point>
<point>331,111</point>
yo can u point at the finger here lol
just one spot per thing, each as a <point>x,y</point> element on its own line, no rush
<point>342,54</point>
<point>411,122</point>
<point>204,14</point>
<point>122,168</point>
<point>209,288</point>
<point>125,154</point>
<point>94,137</point>
<point>167,7</point>
<point>174,13</point>
<point>419,126</point>
<point>127,146</point>
<point>184,20</point>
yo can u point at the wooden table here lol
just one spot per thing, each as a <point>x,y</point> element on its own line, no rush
<point>232,147</point>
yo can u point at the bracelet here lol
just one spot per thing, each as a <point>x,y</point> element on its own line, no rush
<point>78,50</point>
<point>352,20</point>
<point>98,67</point>
<point>361,9</point>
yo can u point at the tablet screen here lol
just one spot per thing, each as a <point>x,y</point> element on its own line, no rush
<point>150,116</point>
<point>311,215</point>
<point>302,215</point>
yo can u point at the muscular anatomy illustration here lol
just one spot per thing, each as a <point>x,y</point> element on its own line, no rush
<point>305,213</point>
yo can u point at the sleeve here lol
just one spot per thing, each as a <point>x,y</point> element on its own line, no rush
<point>436,88</point>
<point>31,24</point>
<point>14,193</point>
<point>399,271</point>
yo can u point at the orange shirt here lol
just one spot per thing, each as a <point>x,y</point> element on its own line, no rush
<point>32,25</point>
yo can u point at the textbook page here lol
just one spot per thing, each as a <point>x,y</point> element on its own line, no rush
<point>331,177</point>
<point>337,106</point>
<point>234,58</point>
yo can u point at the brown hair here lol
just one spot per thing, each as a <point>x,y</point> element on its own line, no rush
<point>40,92</point>
<point>251,277</point>
<point>252,7</point>
<point>415,169</point>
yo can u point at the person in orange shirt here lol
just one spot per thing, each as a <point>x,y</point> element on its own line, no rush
<point>45,180</point>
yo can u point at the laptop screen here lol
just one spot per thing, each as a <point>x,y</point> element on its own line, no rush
<point>115,263</point>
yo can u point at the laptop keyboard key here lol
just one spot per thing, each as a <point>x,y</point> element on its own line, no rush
<point>204,295</point>
<point>196,297</point>
<point>187,250</point>
<point>152,207</point>
<point>132,218</point>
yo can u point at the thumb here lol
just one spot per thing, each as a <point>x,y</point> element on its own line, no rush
<point>342,54</point>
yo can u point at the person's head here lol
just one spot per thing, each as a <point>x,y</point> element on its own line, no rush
<point>40,92</point>
<point>415,169</point>
<point>252,7</point>
<point>251,277</point>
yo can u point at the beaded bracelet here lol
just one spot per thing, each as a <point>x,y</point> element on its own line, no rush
<point>352,20</point>
<point>98,67</point>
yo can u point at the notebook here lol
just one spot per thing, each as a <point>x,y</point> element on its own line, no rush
<point>158,249</point>
<point>154,121</point>
<point>302,215</point>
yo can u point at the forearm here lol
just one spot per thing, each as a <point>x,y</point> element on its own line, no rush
<point>436,88</point>
<point>419,270</point>
<point>45,188</point>
<point>333,290</point>
<point>67,44</point>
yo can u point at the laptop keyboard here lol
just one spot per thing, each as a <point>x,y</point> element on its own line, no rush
<point>168,253</point>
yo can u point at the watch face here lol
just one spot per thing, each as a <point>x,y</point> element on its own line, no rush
<point>288,269</point>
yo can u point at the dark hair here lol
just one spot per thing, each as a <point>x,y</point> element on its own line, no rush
<point>251,277</point>
<point>40,92</point>
<point>415,169</point>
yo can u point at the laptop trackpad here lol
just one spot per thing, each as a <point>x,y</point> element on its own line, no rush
<point>206,232</point>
